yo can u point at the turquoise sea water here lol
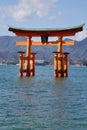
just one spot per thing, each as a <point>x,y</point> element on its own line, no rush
<point>42,102</point>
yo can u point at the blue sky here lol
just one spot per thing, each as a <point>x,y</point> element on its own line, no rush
<point>43,14</point>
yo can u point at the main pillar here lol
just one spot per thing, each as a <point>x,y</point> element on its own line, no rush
<point>60,58</point>
<point>27,63</point>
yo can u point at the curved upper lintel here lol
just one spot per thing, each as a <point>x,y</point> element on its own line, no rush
<point>70,31</point>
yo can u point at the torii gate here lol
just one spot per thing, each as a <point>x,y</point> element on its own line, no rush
<point>60,58</point>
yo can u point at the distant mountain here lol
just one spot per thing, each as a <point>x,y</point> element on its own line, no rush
<point>78,52</point>
<point>8,50</point>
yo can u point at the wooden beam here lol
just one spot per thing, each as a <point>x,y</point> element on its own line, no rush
<point>21,43</point>
<point>38,34</point>
<point>68,43</point>
<point>52,43</point>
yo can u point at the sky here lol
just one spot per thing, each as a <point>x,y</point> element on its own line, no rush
<point>43,14</point>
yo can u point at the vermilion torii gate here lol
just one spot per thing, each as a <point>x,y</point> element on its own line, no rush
<point>27,62</point>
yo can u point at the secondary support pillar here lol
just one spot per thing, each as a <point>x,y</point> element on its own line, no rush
<point>32,64</point>
<point>22,64</point>
<point>65,59</point>
<point>60,64</point>
<point>55,64</point>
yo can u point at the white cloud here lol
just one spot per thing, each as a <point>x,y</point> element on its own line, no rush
<point>22,10</point>
<point>26,8</point>
<point>81,35</point>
